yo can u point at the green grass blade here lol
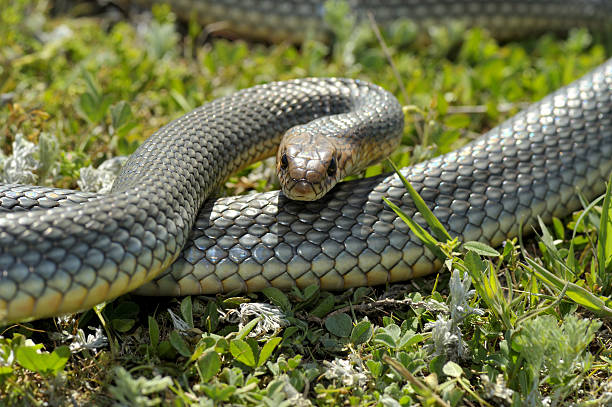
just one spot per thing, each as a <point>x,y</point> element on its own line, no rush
<point>547,238</point>
<point>436,226</point>
<point>571,263</point>
<point>604,244</point>
<point>566,264</point>
<point>488,288</point>
<point>574,292</point>
<point>428,240</point>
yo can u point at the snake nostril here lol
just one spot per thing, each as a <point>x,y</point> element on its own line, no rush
<point>331,169</point>
<point>284,162</point>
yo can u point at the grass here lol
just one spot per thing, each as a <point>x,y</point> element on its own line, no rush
<point>526,325</point>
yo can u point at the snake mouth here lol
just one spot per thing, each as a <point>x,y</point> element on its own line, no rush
<point>302,190</point>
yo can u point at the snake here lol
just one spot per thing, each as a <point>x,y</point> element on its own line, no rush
<point>299,20</point>
<point>158,233</point>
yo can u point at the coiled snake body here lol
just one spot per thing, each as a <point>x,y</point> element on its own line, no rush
<point>84,249</point>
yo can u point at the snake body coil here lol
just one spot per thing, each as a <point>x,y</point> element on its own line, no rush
<point>83,249</point>
<point>70,258</point>
<point>530,166</point>
<point>297,20</point>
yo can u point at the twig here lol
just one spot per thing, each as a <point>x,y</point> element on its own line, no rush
<point>388,302</point>
<point>396,73</point>
<point>387,53</point>
<point>379,303</point>
<point>480,109</point>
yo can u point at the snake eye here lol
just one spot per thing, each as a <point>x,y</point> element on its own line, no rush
<point>284,162</point>
<point>331,169</point>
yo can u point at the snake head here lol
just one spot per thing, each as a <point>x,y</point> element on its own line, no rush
<point>307,165</point>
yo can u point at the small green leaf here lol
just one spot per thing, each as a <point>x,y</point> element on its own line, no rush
<point>187,311</point>
<point>436,365</point>
<point>243,352</point>
<point>488,288</point>
<point>219,393</point>
<point>6,371</point>
<point>179,344</point>
<point>124,130</point>
<point>124,146</point>
<point>385,339</point>
<point>153,332</point>
<point>393,330</point>
<point>43,363</point>
<point>475,265</point>
<point>481,249</point>
<point>306,299</point>
<point>222,345</point>
<point>446,140</point>
<point>310,292</point>
<point>93,107</point>
<point>324,307</point>
<point>457,121</point>
<point>209,365</point>
<point>120,114</point>
<point>360,293</point>
<point>212,316</point>
<point>126,309</point>
<point>166,350</point>
<point>558,228</point>
<point>92,87</point>
<point>87,106</point>
<point>294,362</point>
<point>508,250</point>
<point>290,330</point>
<point>122,316</point>
<point>277,297</point>
<point>200,348</point>
<point>409,339</point>
<point>362,332</point>
<point>267,350</point>
<point>122,325</point>
<point>374,367</point>
<point>452,369</point>
<point>339,325</point>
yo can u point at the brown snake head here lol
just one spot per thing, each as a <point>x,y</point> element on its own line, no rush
<point>308,165</point>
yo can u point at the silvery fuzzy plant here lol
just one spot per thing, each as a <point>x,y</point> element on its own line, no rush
<point>100,179</point>
<point>30,163</point>
<point>445,331</point>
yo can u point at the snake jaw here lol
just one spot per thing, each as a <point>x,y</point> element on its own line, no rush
<point>301,190</point>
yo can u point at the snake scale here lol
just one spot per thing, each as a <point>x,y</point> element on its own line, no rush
<point>62,251</point>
